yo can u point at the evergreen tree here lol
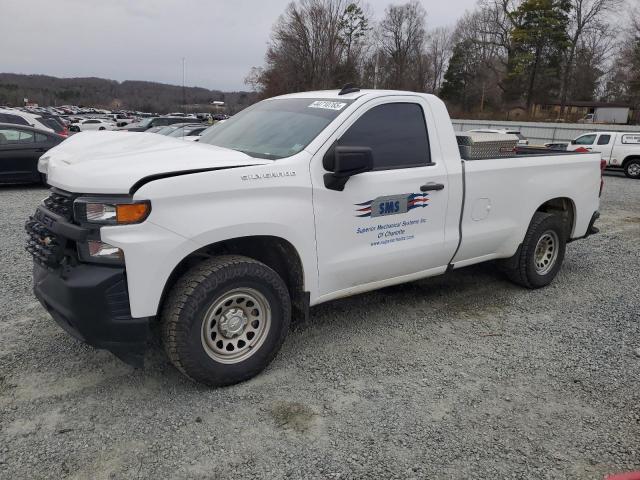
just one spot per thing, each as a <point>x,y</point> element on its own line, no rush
<point>539,41</point>
<point>457,77</point>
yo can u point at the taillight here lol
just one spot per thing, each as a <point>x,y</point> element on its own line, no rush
<point>603,165</point>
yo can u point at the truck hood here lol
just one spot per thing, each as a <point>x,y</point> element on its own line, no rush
<point>112,162</point>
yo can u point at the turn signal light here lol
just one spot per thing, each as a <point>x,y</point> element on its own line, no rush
<point>132,212</point>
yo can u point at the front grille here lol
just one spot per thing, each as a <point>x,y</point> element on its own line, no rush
<point>43,244</point>
<point>60,203</point>
<point>46,247</point>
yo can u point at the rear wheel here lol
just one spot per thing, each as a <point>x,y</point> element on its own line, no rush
<point>225,320</point>
<point>632,169</point>
<point>539,258</point>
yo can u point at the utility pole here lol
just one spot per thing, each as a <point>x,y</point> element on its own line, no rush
<point>184,96</point>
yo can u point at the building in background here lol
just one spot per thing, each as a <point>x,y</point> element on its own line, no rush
<point>583,112</point>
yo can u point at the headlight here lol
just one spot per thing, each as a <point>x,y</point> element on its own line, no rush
<point>116,212</point>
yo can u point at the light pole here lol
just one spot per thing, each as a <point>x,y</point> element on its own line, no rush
<point>184,96</point>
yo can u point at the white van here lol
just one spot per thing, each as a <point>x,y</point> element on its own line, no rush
<point>619,149</point>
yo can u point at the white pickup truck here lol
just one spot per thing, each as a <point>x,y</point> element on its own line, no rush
<point>618,149</point>
<point>295,201</point>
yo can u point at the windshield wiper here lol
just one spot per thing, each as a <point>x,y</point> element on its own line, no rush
<point>266,156</point>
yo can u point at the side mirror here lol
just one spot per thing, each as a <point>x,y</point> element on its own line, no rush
<point>573,142</point>
<point>345,162</point>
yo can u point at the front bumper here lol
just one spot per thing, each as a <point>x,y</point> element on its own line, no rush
<point>91,303</point>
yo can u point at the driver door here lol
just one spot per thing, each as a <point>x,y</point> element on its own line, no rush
<point>389,222</point>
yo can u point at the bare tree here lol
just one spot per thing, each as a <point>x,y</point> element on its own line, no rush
<point>307,48</point>
<point>439,48</point>
<point>623,79</point>
<point>402,37</point>
<point>586,15</point>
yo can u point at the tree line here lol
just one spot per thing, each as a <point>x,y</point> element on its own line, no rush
<point>504,53</point>
<point>110,94</point>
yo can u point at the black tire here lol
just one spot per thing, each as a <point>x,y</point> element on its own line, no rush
<point>521,268</point>
<point>186,308</point>
<point>101,128</point>
<point>632,169</point>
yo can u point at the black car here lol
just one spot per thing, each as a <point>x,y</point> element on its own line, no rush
<point>20,148</point>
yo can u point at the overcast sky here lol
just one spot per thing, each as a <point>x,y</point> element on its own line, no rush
<point>146,39</point>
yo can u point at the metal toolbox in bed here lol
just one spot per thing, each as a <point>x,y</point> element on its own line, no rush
<point>479,146</point>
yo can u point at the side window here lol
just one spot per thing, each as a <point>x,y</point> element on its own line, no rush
<point>9,135</point>
<point>395,132</point>
<point>585,140</point>
<point>18,120</point>
<point>26,137</point>
<point>604,139</point>
<point>40,138</point>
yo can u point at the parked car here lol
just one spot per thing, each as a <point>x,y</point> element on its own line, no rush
<point>621,150</point>
<point>20,148</point>
<point>148,123</point>
<point>168,129</point>
<point>154,129</point>
<point>522,140</point>
<point>56,123</point>
<point>190,129</point>
<point>20,117</point>
<point>293,202</point>
<point>121,120</point>
<point>92,124</point>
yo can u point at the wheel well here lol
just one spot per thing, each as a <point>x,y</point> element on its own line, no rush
<point>563,207</point>
<point>628,159</point>
<point>275,252</point>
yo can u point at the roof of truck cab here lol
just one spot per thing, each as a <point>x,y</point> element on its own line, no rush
<point>335,94</point>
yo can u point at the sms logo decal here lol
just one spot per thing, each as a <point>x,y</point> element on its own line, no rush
<point>392,204</point>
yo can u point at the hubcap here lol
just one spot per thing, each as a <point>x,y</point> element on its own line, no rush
<point>634,169</point>
<point>235,325</point>
<point>546,252</point>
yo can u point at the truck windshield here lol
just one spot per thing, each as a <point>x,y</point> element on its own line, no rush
<point>277,128</point>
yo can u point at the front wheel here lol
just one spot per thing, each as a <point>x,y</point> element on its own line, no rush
<point>225,320</point>
<point>632,169</point>
<point>539,258</point>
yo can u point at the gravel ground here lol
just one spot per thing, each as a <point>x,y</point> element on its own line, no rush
<point>463,376</point>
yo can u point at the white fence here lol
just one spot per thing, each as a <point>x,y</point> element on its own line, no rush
<point>540,133</point>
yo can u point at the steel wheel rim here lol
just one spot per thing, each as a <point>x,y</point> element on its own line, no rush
<point>634,169</point>
<point>546,252</point>
<point>235,326</point>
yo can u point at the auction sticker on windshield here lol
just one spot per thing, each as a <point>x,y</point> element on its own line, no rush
<point>328,105</point>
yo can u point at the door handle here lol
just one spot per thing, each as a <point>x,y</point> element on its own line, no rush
<point>431,186</point>
<point>41,150</point>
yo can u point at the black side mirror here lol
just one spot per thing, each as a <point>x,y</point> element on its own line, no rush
<point>345,162</point>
